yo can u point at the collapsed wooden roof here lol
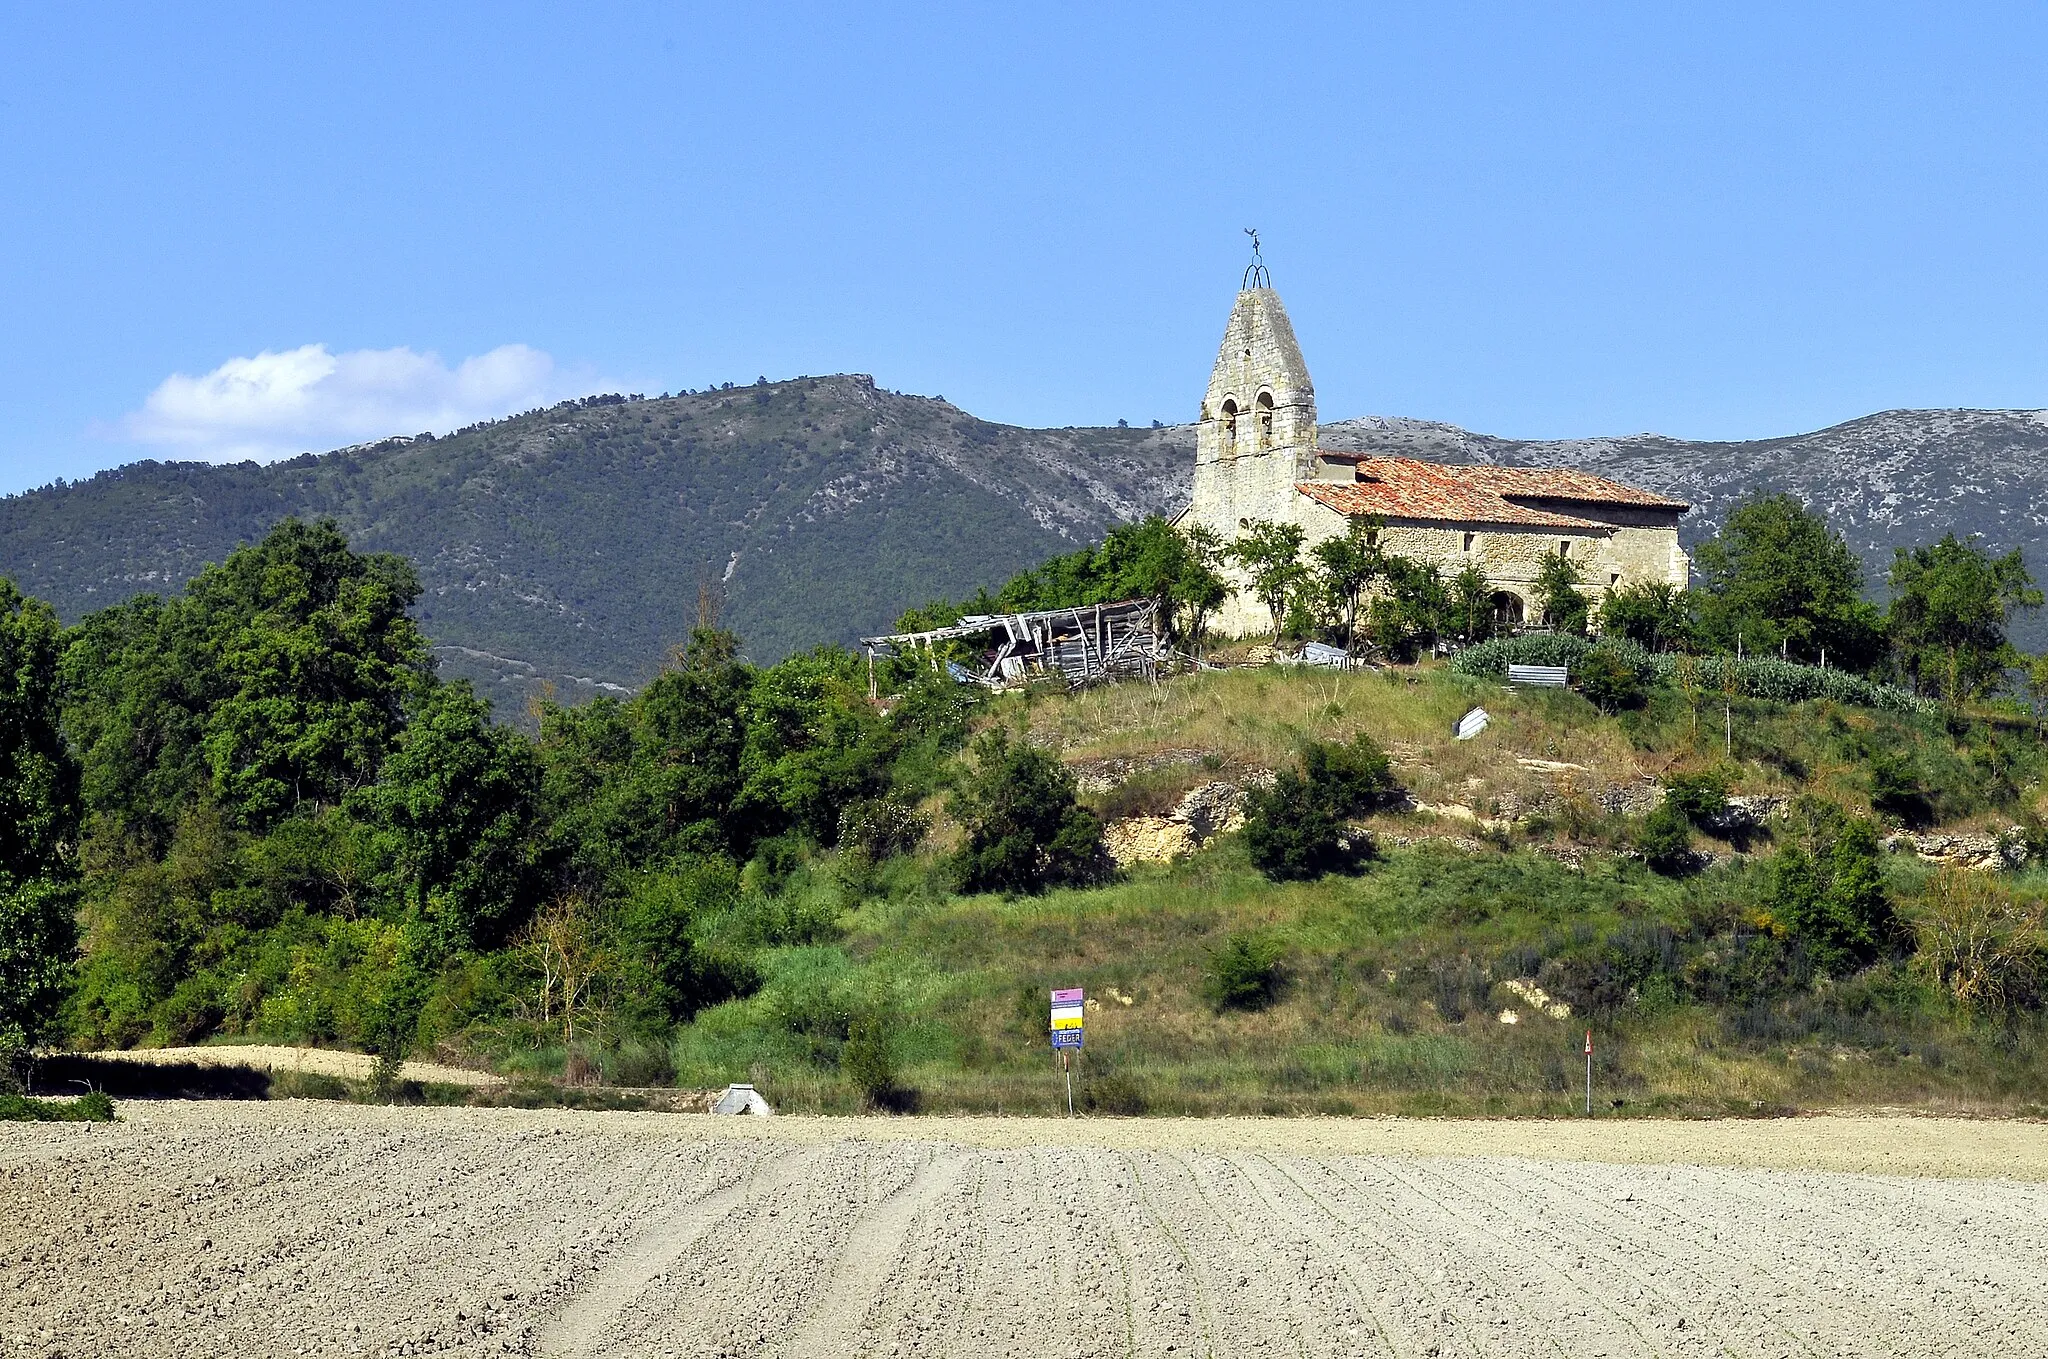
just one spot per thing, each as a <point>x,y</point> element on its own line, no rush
<point>1086,644</point>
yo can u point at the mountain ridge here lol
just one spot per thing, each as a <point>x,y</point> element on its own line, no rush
<point>564,549</point>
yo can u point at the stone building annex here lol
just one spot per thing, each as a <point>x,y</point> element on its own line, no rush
<point>1256,458</point>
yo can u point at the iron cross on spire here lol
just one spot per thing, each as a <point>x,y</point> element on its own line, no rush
<point>1255,275</point>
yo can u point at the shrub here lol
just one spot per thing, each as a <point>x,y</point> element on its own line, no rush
<point>1111,1092</point>
<point>1025,831</point>
<point>1982,945</point>
<point>1608,681</point>
<point>89,1108</point>
<point>868,1059</point>
<point>1895,789</point>
<point>1291,834</point>
<point>1244,974</point>
<point>1665,841</point>
<point>1830,893</point>
<point>1757,677</point>
<point>878,827</point>
<point>1294,830</point>
<point>666,978</point>
<point>1701,799</point>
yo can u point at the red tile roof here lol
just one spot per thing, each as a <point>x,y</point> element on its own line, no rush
<point>1408,488</point>
<point>1564,483</point>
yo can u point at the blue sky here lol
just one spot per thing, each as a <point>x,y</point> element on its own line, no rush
<point>249,231</point>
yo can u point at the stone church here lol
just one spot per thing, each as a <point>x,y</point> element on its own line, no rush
<point>1256,457</point>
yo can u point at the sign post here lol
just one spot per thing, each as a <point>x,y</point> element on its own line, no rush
<point>1069,1018</point>
<point>1589,1073</point>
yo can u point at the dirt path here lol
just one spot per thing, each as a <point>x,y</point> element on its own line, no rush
<point>350,1066</point>
<point>309,1228</point>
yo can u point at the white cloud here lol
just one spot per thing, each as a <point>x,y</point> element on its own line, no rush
<point>308,400</point>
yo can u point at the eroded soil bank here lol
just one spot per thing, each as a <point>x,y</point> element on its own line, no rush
<point>313,1228</point>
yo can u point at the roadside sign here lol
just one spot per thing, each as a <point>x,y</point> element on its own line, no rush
<point>1069,1011</point>
<point>1069,1018</point>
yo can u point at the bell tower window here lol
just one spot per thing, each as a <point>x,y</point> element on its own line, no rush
<point>1265,409</point>
<point>1230,425</point>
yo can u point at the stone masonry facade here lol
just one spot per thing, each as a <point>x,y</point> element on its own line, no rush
<point>1256,458</point>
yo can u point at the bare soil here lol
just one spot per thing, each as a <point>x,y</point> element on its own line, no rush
<point>350,1066</point>
<point>312,1228</point>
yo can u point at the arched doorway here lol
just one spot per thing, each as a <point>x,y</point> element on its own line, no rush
<point>1508,609</point>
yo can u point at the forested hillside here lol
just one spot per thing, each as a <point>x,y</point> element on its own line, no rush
<point>568,545</point>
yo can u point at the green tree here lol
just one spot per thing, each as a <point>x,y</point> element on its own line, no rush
<point>1409,611</point>
<point>1951,603</point>
<point>2037,688</point>
<point>318,661</point>
<point>1348,564</point>
<point>1828,889</point>
<point>1471,611</point>
<point>1025,831</point>
<point>625,785</point>
<point>1203,589</point>
<point>38,827</point>
<point>455,805</point>
<point>1665,841</point>
<point>813,745</point>
<point>664,977</point>
<point>1565,607</point>
<point>1777,578</point>
<point>1270,555</point>
<point>1653,614</point>
<point>1609,681</point>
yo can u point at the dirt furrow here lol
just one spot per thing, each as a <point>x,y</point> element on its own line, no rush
<point>316,1229</point>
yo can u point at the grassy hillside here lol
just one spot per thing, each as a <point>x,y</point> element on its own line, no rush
<point>1397,983</point>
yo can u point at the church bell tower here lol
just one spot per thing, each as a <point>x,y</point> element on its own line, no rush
<point>1257,435</point>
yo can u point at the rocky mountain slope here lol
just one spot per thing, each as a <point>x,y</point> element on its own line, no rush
<point>567,547</point>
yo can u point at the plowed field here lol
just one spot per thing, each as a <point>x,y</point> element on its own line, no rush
<point>298,1228</point>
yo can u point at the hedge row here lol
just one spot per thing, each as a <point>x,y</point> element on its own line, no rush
<point>1753,676</point>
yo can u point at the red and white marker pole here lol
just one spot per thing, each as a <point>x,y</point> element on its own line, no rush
<point>1589,1073</point>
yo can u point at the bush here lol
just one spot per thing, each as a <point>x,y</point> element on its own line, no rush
<point>1983,946</point>
<point>1756,677</point>
<point>1291,834</point>
<point>1701,799</point>
<point>1244,974</point>
<point>1895,789</point>
<point>667,979</point>
<point>1111,1093</point>
<point>1665,841</point>
<point>1294,830</point>
<point>89,1108</point>
<point>1608,681</point>
<point>876,828</point>
<point>1830,893</point>
<point>869,1060</point>
<point>1025,831</point>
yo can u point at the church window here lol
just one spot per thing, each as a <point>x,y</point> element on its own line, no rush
<point>1230,425</point>
<point>1265,405</point>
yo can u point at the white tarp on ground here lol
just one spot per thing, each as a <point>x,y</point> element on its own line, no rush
<point>742,1099</point>
<point>1471,724</point>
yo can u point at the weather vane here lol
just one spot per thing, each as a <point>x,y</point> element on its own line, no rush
<point>1255,275</point>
